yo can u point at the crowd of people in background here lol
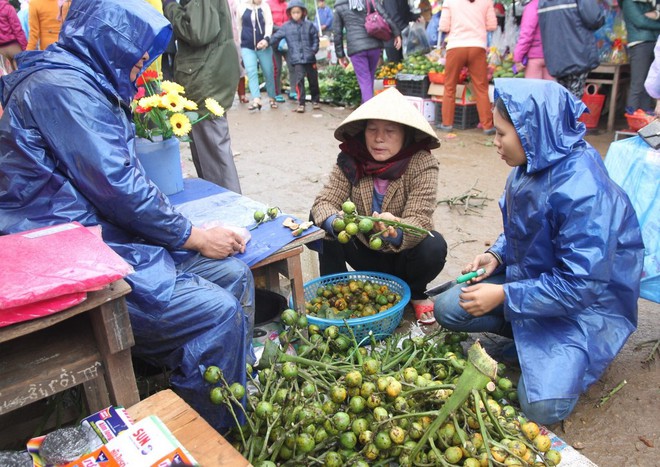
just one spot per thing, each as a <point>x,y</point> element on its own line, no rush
<point>584,273</point>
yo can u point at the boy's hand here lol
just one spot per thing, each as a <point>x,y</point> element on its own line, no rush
<point>479,299</point>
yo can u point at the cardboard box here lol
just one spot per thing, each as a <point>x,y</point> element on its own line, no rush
<point>425,106</point>
<point>147,443</point>
<point>107,424</point>
<point>463,92</point>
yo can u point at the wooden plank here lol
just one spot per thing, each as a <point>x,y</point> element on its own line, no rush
<point>279,256</point>
<point>94,299</point>
<point>44,363</point>
<point>112,329</point>
<point>205,444</point>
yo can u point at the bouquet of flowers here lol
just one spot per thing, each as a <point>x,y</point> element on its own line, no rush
<point>161,111</point>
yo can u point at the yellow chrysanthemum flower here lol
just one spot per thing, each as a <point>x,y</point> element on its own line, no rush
<point>190,105</point>
<point>181,125</point>
<point>149,101</point>
<point>171,87</point>
<point>173,102</point>
<point>213,107</point>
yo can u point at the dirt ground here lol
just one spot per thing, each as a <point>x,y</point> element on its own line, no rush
<point>283,159</point>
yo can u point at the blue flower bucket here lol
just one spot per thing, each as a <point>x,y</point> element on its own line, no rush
<point>162,163</point>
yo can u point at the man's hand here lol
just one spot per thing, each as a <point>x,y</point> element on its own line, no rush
<point>262,44</point>
<point>479,299</point>
<point>397,42</point>
<point>343,61</point>
<point>215,243</point>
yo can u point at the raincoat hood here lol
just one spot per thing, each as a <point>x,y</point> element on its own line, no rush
<point>545,116</point>
<point>571,246</point>
<point>109,37</point>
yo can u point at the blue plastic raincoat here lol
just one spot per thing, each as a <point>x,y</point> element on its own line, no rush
<point>571,245</point>
<point>67,154</point>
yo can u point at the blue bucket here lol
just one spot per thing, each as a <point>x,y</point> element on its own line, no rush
<point>162,163</point>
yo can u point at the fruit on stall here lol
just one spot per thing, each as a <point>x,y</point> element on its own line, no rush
<point>506,69</point>
<point>419,65</point>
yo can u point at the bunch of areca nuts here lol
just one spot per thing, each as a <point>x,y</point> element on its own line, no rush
<point>350,223</point>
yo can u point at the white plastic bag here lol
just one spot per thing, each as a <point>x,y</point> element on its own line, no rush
<point>415,41</point>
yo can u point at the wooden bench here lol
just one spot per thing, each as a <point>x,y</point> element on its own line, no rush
<point>205,444</point>
<point>88,344</point>
<point>287,261</point>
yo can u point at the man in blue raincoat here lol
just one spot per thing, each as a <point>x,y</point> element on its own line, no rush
<point>67,154</point>
<point>563,278</point>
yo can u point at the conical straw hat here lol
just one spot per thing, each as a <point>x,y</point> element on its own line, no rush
<point>388,105</point>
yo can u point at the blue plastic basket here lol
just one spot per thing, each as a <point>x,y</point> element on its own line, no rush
<point>382,324</point>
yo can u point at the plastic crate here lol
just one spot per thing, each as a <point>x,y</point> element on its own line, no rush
<point>465,116</point>
<point>413,85</point>
<point>382,324</point>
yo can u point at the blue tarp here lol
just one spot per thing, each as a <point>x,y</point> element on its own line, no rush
<point>205,203</point>
<point>635,167</point>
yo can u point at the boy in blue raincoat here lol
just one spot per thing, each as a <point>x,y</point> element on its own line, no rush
<point>563,278</point>
<point>67,154</point>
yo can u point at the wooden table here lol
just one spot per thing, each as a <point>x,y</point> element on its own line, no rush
<point>284,256</point>
<point>205,444</point>
<point>88,344</point>
<point>615,75</point>
<point>287,261</point>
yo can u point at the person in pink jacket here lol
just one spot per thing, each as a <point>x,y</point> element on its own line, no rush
<point>467,23</point>
<point>529,45</point>
<point>12,37</point>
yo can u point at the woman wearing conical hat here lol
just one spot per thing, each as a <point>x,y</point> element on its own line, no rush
<point>386,168</point>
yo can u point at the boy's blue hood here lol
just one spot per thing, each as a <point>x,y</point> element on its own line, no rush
<point>108,36</point>
<point>529,99</point>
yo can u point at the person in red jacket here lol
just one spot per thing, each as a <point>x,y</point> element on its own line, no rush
<point>12,37</point>
<point>278,9</point>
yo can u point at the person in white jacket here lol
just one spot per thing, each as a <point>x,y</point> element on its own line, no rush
<point>255,23</point>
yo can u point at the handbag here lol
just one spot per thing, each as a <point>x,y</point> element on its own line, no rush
<point>376,25</point>
<point>651,134</point>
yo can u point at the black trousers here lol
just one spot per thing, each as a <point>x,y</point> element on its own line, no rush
<point>309,70</point>
<point>417,266</point>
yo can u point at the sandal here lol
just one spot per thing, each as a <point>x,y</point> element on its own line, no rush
<point>273,104</point>
<point>255,106</point>
<point>421,309</point>
<point>300,109</point>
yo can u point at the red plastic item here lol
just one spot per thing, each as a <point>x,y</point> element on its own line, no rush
<point>594,103</point>
<point>50,268</point>
<point>437,77</point>
<point>639,120</point>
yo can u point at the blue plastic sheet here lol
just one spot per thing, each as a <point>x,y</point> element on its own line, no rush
<point>204,202</point>
<point>635,167</point>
